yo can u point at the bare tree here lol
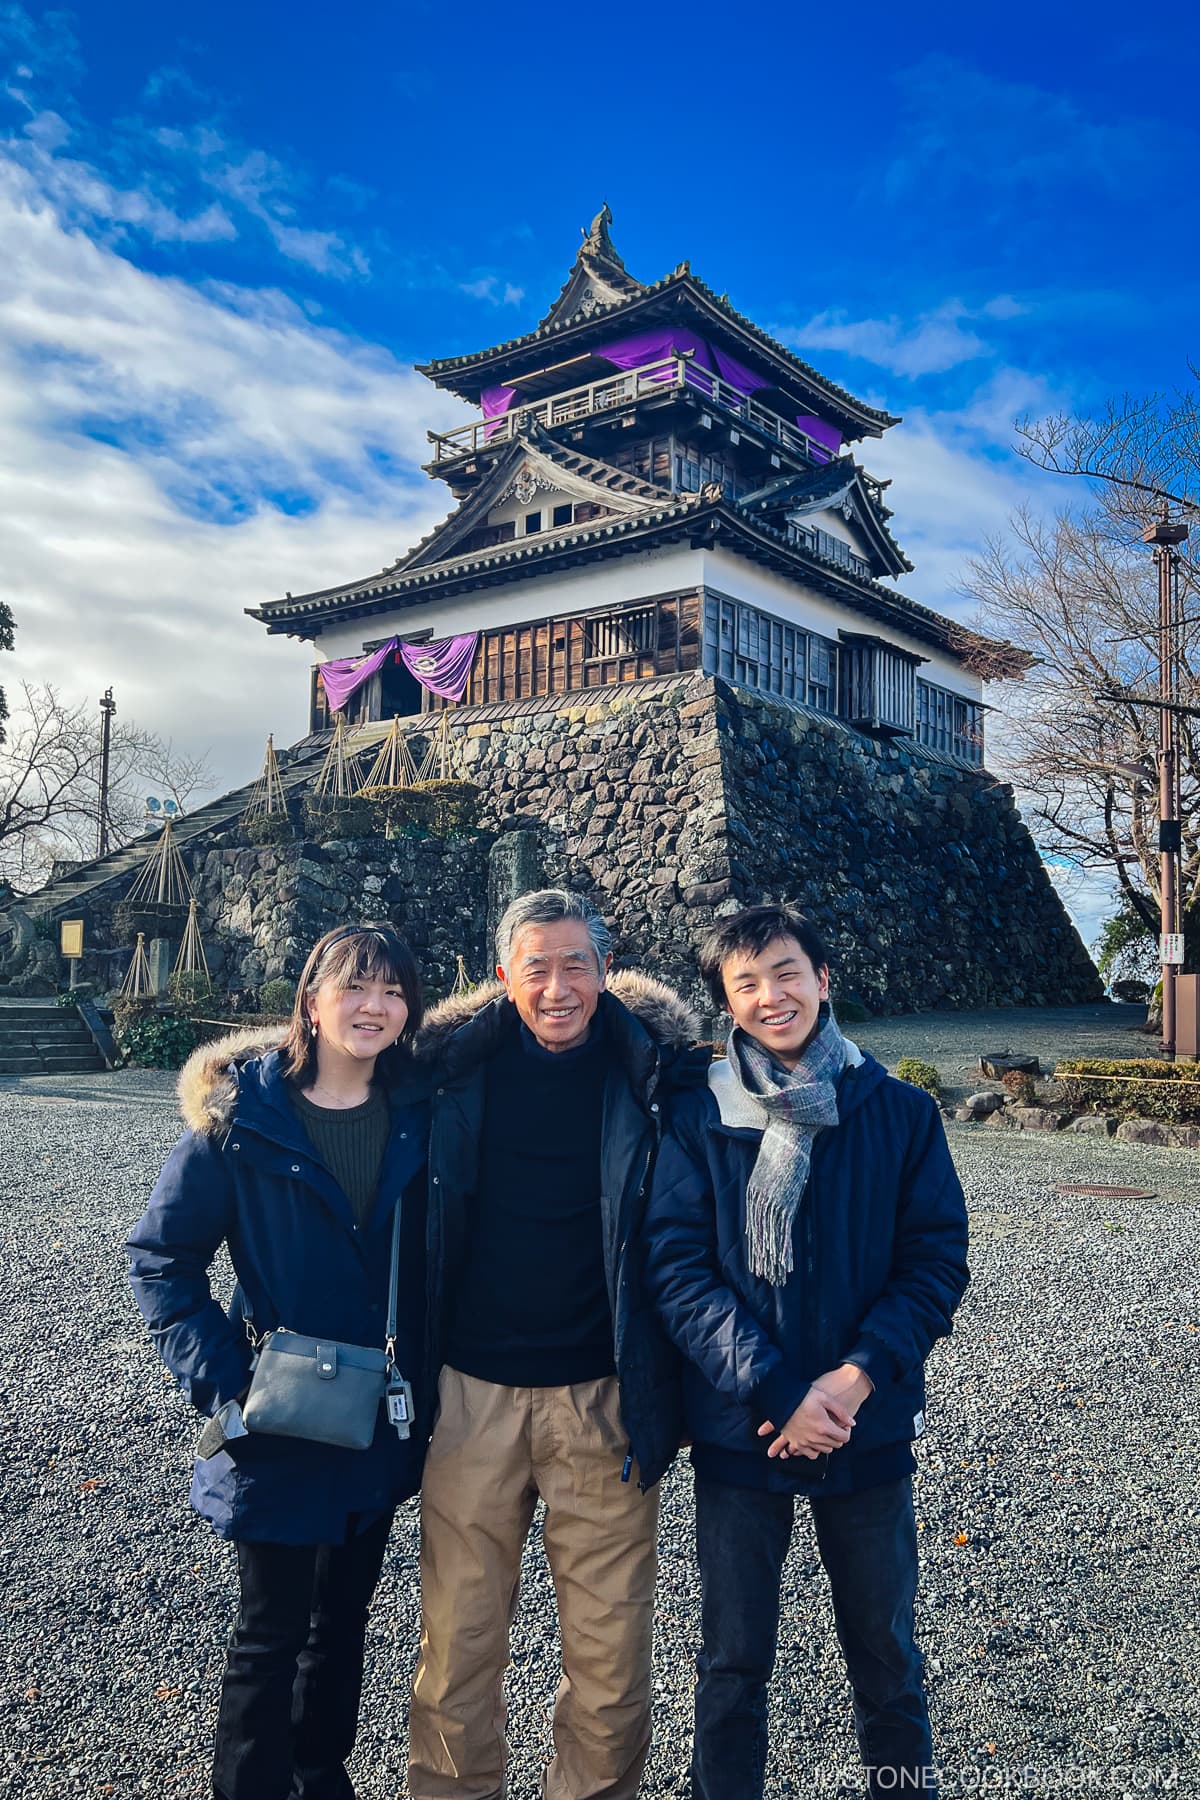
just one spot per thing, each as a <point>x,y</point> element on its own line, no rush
<point>50,776</point>
<point>7,630</point>
<point>1080,596</point>
<point>1138,451</point>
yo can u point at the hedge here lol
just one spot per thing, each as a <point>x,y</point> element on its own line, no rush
<point>1143,1088</point>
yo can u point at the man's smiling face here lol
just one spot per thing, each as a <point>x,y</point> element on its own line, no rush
<point>554,980</point>
<point>775,996</point>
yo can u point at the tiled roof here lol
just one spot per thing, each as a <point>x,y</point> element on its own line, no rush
<point>702,518</point>
<point>825,483</point>
<point>680,281</point>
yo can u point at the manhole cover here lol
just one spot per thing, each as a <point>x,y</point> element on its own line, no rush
<point>1102,1191</point>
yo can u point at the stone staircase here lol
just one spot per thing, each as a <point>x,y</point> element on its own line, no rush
<point>59,896</point>
<point>39,1038</point>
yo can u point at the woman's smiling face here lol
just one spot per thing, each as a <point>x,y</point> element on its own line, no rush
<point>360,1019</point>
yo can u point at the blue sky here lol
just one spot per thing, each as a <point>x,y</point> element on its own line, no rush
<point>227,233</point>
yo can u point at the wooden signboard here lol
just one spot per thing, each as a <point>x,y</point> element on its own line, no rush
<point>71,937</point>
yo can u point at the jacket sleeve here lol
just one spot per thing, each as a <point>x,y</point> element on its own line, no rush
<point>190,1214</point>
<point>702,1313</point>
<point>929,1263</point>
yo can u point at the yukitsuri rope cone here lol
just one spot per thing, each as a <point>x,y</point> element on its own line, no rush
<point>267,798</point>
<point>163,879</point>
<point>336,780</point>
<point>191,965</point>
<point>393,768</point>
<point>437,757</point>
<point>462,981</point>
<point>136,985</point>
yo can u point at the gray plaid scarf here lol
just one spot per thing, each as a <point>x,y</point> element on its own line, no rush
<point>798,1103</point>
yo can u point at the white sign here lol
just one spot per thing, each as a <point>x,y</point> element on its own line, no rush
<point>1172,947</point>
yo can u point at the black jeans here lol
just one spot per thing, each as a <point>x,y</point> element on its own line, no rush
<point>293,1678</point>
<point>868,1544</point>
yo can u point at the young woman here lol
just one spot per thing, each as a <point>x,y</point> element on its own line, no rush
<point>296,1157</point>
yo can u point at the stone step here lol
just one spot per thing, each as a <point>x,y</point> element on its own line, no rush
<point>73,1062</point>
<point>21,1065</point>
<point>71,1031</point>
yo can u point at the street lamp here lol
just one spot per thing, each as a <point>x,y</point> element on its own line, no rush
<point>1166,538</point>
<point>108,707</point>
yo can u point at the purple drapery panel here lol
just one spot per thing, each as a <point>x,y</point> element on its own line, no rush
<point>655,346</point>
<point>494,403</point>
<point>346,674</point>
<point>737,374</point>
<point>444,667</point>
<point>821,432</point>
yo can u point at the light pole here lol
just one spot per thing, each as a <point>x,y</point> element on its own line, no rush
<point>1166,537</point>
<point>108,707</point>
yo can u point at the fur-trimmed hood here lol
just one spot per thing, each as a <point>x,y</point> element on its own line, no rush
<point>208,1086</point>
<point>654,1004</point>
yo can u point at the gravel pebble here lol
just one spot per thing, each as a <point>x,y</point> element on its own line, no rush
<point>1056,1494</point>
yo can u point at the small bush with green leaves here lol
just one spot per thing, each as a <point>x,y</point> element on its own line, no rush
<point>190,988</point>
<point>155,1040</point>
<point>276,998</point>
<point>438,808</point>
<point>152,919</point>
<point>70,997</point>
<point>919,1074</point>
<point>850,1012</point>
<point>1140,1087</point>
<point>330,819</point>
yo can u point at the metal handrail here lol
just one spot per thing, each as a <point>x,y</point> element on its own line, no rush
<point>621,389</point>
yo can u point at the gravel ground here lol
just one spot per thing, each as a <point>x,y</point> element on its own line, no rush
<point>1057,1492</point>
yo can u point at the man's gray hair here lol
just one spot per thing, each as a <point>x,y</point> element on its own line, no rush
<point>546,907</point>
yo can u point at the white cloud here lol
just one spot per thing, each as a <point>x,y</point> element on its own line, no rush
<point>935,341</point>
<point>489,287</point>
<point>170,455</point>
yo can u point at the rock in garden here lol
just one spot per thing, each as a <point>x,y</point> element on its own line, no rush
<point>999,1065</point>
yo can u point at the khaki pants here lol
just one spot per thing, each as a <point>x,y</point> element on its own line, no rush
<point>494,1451</point>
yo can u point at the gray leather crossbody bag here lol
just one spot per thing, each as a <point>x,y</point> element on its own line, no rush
<point>328,1392</point>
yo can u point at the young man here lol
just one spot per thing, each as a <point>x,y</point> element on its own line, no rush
<point>557,1380</point>
<point>807,1243</point>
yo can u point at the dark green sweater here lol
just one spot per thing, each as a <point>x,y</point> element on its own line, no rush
<point>351,1144</point>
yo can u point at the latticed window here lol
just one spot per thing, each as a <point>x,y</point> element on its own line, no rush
<point>948,721</point>
<point>758,651</point>
<point>631,633</point>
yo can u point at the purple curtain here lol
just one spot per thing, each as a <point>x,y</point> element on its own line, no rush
<point>737,374</point>
<point>495,402</point>
<point>821,432</point>
<point>443,667</point>
<point>346,674</point>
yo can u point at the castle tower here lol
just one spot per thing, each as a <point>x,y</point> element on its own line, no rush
<point>652,484</point>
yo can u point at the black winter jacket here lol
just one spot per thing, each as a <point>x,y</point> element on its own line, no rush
<point>653,1038</point>
<point>245,1174</point>
<point>880,1265</point>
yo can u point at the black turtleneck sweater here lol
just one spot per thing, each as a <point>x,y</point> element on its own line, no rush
<point>531,1307</point>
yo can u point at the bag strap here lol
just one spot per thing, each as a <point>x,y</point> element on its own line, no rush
<point>394,1282</point>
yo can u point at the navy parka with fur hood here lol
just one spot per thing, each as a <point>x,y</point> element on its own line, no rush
<point>245,1174</point>
<point>652,1039</point>
<point>880,1243</point>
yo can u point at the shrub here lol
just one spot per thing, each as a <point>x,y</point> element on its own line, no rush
<point>155,1040</point>
<point>268,828</point>
<point>330,819</point>
<point>276,998</point>
<point>151,918</point>
<point>190,988</point>
<point>436,807</point>
<point>850,1012</point>
<point>1020,1086</point>
<point>1141,1087</point>
<point>919,1074</point>
<point>70,997</point>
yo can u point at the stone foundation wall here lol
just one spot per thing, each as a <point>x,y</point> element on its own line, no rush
<point>671,803</point>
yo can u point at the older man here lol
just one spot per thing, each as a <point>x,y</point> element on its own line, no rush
<point>557,1381</point>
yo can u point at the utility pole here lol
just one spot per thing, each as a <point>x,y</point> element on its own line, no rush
<point>1166,537</point>
<point>108,707</point>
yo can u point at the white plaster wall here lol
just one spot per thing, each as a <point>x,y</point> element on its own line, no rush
<point>634,578</point>
<point>539,597</point>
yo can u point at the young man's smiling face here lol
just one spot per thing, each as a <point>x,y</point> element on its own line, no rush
<point>554,980</point>
<point>775,996</point>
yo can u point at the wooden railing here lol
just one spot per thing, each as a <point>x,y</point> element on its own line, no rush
<point>622,389</point>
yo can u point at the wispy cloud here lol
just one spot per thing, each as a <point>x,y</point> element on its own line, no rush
<point>494,290</point>
<point>930,344</point>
